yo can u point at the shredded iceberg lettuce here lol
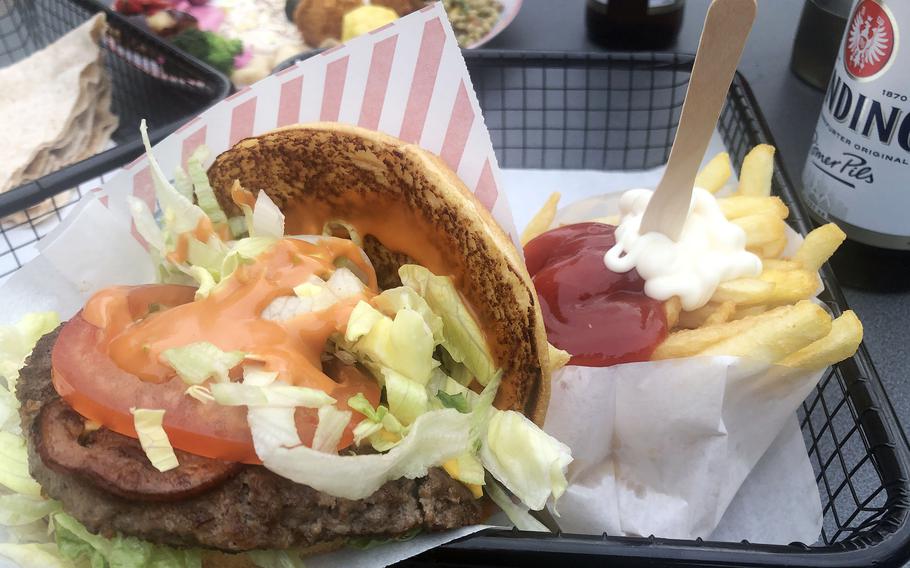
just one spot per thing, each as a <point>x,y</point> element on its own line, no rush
<point>198,362</point>
<point>464,340</point>
<point>182,182</point>
<point>268,220</point>
<point>14,466</point>
<point>517,513</point>
<point>147,226</point>
<point>77,544</point>
<point>205,196</point>
<point>274,395</point>
<point>153,438</point>
<point>404,344</point>
<point>434,438</point>
<point>182,213</point>
<point>35,555</point>
<point>526,460</point>
<point>367,543</point>
<point>208,255</point>
<point>276,559</point>
<point>250,247</point>
<point>200,393</point>
<point>17,509</point>
<point>380,426</point>
<point>18,340</point>
<point>343,283</point>
<point>362,319</point>
<point>456,401</point>
<point>331,229</point>
<point>211,262</point>
<point>332,423</point>
<point>393,300</point>
<point>412,345</point>
<point>9,415</point>
<point>407,399</point>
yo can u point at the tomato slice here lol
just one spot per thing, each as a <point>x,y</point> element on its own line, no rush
<point>101,391</point>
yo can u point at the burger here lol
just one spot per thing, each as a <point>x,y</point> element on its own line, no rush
<point>343,346</point>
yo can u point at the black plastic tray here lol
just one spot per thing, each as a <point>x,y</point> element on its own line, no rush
<point>151,80</point>
<point>620,111</point>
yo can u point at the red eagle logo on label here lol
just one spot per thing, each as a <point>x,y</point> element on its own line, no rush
<point>870,40</point>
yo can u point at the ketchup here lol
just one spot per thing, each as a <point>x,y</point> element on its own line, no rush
<point>600,317</point>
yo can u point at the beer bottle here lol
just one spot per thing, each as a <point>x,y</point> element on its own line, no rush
<point>634,24</point>
<point>821,27</point>
<point>857,173</point>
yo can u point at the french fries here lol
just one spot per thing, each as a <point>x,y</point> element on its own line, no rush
<point>744,291</point>
<point>691,342</point>
<point>818,247</point>
<point>715,173</point>
<point>761,229</point>
<point>737,206</point>
<point>790,286</point>
<point>758,167</point>
<point>841,342</point>
<point>673,306</point>
<point>723,313</point>
<point>773,248</point>
<point>770,339</point>
<point>749,311</point>
<point>542,220</point>
<point>710,314</point>
<point>558,358</point>
<point>780,264</point>
<point>770,317</point>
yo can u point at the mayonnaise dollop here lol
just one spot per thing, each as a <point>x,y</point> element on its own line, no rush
<point>709,251</point>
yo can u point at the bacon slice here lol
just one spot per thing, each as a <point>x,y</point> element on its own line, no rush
<point>116,463</point>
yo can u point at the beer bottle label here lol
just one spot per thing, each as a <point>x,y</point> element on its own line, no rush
<point>858,168</point>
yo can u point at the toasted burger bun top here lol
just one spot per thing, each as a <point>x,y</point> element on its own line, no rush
<point>409,207</point>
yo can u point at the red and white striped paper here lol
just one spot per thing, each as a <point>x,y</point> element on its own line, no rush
<point>407,79</point>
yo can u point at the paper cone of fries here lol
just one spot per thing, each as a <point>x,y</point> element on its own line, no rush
<point>662,447</point>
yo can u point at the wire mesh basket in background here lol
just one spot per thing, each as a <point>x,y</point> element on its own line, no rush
<point>150,80</point>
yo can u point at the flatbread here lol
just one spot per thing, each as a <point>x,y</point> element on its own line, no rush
<point>58,102</point>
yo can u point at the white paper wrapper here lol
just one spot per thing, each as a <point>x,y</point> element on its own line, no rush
<point>678,448</point>
<point>672,443</point>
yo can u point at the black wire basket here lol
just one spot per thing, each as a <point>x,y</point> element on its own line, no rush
<point>150,80</point>
<point>620,111</point>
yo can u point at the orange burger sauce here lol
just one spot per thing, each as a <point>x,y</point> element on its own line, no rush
<point>230,317</point>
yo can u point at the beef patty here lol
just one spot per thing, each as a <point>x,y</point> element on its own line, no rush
<point>105,481</point>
